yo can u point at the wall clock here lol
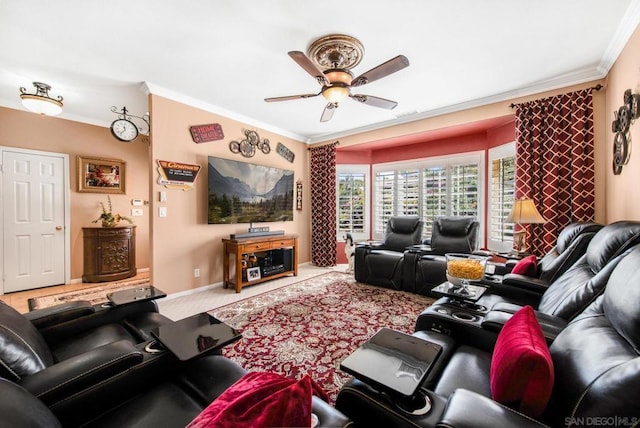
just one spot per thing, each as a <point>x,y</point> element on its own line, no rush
<point>124,130</point>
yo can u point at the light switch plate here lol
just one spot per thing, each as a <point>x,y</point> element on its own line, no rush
<point>162,211</point>
<point>163,196</point>
<point>136,212</point>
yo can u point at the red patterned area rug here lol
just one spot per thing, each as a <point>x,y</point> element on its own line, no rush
<point>94,294</point>
<point>309,327</point>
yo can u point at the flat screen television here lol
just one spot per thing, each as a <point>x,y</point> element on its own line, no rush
<point>242,192</point>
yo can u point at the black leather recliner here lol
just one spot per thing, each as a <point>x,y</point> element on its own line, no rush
<point>426,268</point>
<point>572,291</point>
<point>596,362</point>
<point>382,264</point>
<point>56,352</point>
<point>171,398</point>
<point>571,244</point>
<point>454,235</point>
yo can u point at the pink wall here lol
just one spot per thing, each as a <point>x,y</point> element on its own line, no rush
<point>183,241</point>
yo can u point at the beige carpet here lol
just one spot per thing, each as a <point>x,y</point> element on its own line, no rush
<point>95,295</point>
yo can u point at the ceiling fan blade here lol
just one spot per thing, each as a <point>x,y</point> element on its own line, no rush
<point>374,101</point>
<point>384,69</point>
<point>291,97</point>
<point>327,113</point>
<point>308,65</point>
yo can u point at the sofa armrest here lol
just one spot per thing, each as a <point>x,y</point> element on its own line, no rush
<point>502,312</point>
<point>466,409</point>
<point>55,333</point>
<point>328,416</point>
<point>57,314</point>
<point>523,289</point>
<point>75,374</point>
<point>525,283</point>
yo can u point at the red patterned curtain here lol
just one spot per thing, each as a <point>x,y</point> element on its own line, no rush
<point>323,205</point>
<point>554,163</point>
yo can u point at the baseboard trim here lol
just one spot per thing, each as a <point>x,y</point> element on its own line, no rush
<point>204,288</point>
<point>79,280</point>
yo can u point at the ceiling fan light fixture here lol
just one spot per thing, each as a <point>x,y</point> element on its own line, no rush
<point>339,76</point>
<point>40,102</point>
<point>336,93</point>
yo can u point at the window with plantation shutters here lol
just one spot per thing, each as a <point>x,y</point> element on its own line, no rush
<point>352,201</point>
<point>502,174</point>
<point>408,191</point>
<point>385,200</point>
<point>428,188</point>
<point>434,199</point>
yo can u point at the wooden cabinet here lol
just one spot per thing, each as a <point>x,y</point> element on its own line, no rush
<point>259,247</point>
<point>109,253</point>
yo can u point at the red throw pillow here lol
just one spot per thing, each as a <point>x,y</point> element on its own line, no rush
<point>262,400</point>
<point>521,366</point>
<point>527,267</point>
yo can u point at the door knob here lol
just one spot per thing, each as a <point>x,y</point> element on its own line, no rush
<point>58,227</point>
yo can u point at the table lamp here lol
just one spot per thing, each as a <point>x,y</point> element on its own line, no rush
<point>523,212</point>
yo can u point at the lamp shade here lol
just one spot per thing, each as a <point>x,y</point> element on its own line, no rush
<point>524,212</point>
<point>40,102</point>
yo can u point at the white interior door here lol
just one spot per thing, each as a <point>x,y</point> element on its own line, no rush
<point>33,219</point>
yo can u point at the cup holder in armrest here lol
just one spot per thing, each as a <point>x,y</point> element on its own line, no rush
<point>464,316</point>
<point>107,305</point>
<point>154,347</point>
<point>418,405</point>
<point>462,304</point>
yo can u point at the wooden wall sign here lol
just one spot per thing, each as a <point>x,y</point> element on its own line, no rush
<point>175,175</point>
<point>283,151</point>
<point>299,195</point>
<point>205,133</point>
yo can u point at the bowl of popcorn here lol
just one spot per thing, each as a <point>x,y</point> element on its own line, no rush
<point>463,268</point>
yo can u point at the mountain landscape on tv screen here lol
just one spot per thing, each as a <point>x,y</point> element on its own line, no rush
<point>241,192</point>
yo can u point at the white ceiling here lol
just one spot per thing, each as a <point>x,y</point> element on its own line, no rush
<point>226,56</point>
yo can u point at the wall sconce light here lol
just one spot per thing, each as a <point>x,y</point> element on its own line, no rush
<point>41,102</point>
<point>523,212</point>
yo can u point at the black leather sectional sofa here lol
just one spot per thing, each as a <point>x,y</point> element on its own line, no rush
<point>594,350</point>
<point>78,364</point>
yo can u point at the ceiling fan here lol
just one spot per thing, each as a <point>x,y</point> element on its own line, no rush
<point>329,60</point>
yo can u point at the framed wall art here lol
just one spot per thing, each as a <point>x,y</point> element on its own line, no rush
<point>98,175</point>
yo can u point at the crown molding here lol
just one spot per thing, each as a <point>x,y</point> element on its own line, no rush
<point>628,24</point>
<point>152,88</point>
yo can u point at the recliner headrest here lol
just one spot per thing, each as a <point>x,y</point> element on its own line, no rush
<point>403,224</point>
<point>572,231</point>
<point>621,297</point>
<point>454,226</point>
<point>23,350</point>
<point>611,241</point>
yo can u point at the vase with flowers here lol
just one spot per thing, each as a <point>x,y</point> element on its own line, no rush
<point>108,218</point>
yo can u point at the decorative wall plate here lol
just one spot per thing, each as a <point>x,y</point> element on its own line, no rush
<point>620,152</point>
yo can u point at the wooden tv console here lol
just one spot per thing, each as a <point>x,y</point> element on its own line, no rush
<point>255,245</point>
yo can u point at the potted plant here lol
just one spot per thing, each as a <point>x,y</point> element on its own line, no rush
<point>108,218</point>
